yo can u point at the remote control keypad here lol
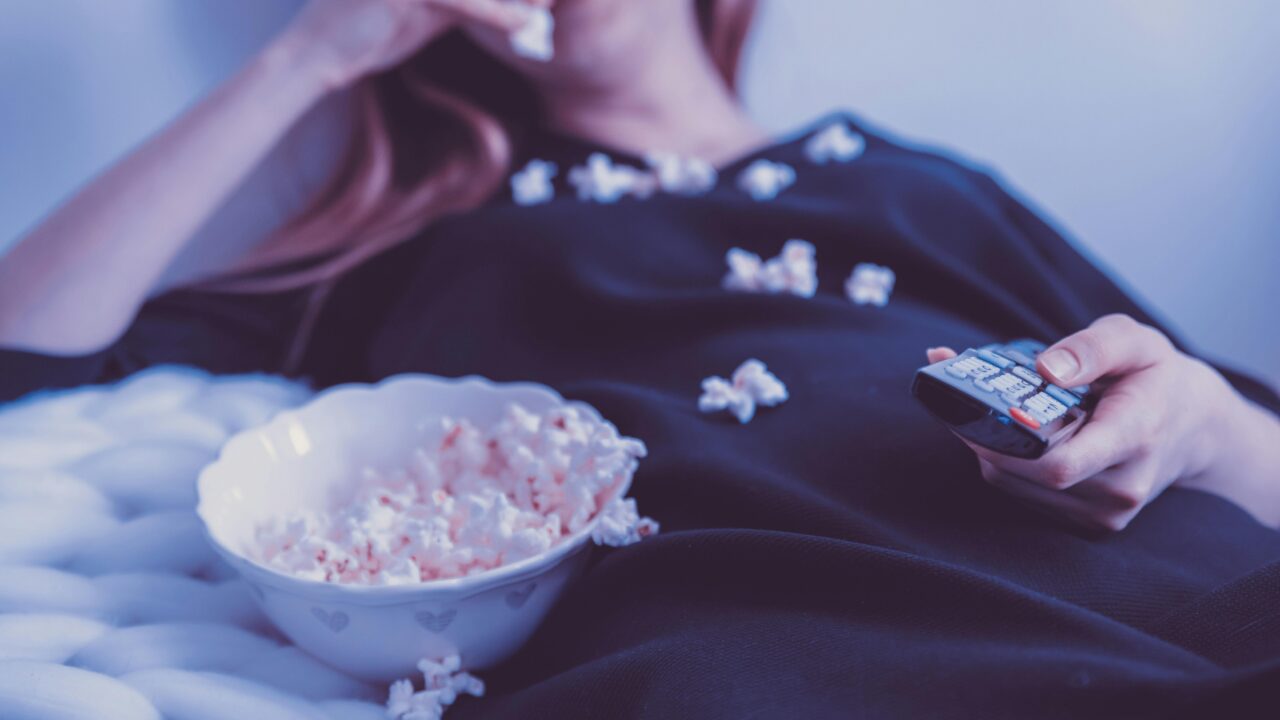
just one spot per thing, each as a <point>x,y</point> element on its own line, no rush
<point>972,367</point>
<point>1031,401</point>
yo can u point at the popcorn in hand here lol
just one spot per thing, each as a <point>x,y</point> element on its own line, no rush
<point>471,501</point>
<point>752,386</point>
<point>682,175</point>
<point>835,143</point>
<point>794,271</point>
<point>602,181</point>
<point>443,682</point>
<point>765,180</point>
<point>532,185</point>
<point>535,40</point>
<point>870,284</point>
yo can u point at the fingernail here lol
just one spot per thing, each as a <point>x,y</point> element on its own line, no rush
<point>1061,364</point>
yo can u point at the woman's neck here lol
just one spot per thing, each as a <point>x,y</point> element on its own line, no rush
<point>674,101</point>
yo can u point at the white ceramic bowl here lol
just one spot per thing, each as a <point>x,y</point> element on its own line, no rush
<point>379,633</point>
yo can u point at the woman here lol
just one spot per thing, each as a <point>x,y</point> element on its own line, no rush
<point>835,557</point>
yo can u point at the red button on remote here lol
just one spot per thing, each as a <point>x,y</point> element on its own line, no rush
<point>1021,416</point>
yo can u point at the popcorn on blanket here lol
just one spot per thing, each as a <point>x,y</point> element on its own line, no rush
<point>870,284</point>
<point>793,271</point>
<point>532,185</point>
<point>835,143</point>
<point>765,180</point>
<point>477,500</point>
<point>680,175</point>
<point>443,682</point>
<point>752,386</point>
<point>603,182</point>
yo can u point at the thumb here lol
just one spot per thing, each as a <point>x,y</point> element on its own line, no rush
<point>1112,345</point>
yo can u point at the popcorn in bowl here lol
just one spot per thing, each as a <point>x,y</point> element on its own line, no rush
<point>473,501</point>
<point>500,489</point>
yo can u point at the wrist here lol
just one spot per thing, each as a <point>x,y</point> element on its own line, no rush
<point>1245,455</point>
<point>300,66</point>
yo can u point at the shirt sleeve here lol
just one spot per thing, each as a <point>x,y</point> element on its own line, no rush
<point>221,333</point>
<point>1098,294</point>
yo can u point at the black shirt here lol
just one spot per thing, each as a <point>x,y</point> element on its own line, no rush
<point>839,556</point>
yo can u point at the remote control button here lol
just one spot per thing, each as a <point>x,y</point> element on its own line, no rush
<point>1023,417</point>
<point>982,370</point>
<point>1028,375</point>
<point>1044,408</point>
<point>1005,382</point>
<point>1012,389</point>
<point>1062,396</point>
<point>983,385</point>
<point>971,367</point>
<point>996,359</point>
<point>1017,357</point>
<point>1015,397</point>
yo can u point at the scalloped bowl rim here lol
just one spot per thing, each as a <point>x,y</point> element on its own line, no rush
<point>362,594</point>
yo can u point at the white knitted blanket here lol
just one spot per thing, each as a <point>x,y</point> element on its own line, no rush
<point>112,605</point>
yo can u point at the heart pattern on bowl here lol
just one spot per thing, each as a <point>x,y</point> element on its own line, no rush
<point>336,621</point>
<point>517,598</point>
<point>435,622</point>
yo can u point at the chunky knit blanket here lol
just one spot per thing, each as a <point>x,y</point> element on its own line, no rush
<point>112,604</point>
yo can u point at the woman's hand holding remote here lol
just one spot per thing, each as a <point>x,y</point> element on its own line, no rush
<point>1162,417</point>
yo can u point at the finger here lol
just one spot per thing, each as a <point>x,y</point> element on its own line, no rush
<point>1118,494</point>
<point>1106,440</point>
<point>1102,505</point>
<point>414,30</point>
<point>1112,345</point>
<point>505,16</point>
<point>1063,505</point>
<point>938,354</point>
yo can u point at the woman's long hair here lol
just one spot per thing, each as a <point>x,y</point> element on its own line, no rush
<point>432,137</point>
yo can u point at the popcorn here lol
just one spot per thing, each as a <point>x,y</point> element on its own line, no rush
<point>752,386</point>
<point>682,175</point>
<point>620,524</point>
<point>765,180</point>
<point>870,284</point>
<point>837,142</point>
<point>443,682</point>
<point>532,185</point>
<point>535,40</point>
<point>602,181</point>
<point>474,501</point>
<point>400,698</point>
<point>794,271</point>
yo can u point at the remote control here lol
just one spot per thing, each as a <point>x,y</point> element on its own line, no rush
<point>993,397</point>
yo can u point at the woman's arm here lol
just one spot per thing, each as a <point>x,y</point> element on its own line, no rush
<point>74,284</point>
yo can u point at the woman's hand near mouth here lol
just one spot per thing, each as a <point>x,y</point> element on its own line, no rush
<point>343,41</point>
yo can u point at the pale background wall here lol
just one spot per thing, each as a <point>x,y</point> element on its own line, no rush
<point>1146,128</point>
